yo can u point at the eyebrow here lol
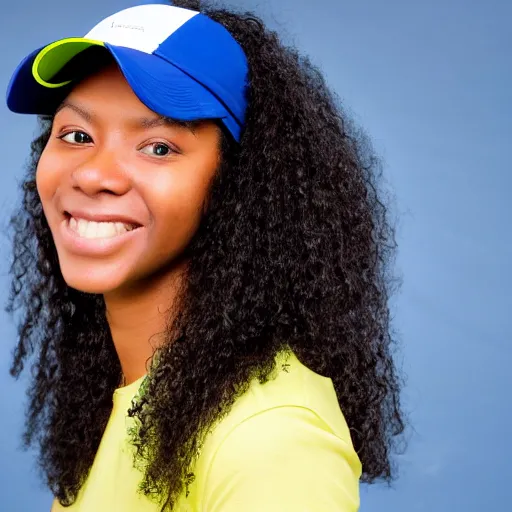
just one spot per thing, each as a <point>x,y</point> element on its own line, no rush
<point>154,122</point>
<point>80,111</point>
<point>141,122</point>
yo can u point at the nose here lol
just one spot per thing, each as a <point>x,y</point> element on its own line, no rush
<point>102,172</point>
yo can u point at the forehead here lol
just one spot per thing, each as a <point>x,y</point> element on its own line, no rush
<point>106,96</point>
<point>105,93</point>
<point>108,81</point>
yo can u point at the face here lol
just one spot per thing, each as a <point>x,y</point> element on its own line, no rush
<point>122,189</point>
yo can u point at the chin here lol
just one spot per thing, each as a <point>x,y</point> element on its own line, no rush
<point>97,281</point>
<point>90,286</point>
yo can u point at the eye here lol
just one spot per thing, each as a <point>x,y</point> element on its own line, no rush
<point>76,137</point>
<point>158,149</point>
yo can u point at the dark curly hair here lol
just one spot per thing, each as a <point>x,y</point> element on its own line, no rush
<point>294,251</point>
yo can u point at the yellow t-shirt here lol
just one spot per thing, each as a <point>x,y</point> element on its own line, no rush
<point>284,447</point>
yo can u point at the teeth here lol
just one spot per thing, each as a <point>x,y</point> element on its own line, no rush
<point>82,227</point>
<point>121,228</point>
<point>89,229</point>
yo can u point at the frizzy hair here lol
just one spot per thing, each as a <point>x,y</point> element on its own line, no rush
<point>295,250</point>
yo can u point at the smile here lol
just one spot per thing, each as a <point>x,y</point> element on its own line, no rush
<point>89,238</point>
<point>94,230</point>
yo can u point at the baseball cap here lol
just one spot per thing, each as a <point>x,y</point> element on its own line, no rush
<point>180,63</point>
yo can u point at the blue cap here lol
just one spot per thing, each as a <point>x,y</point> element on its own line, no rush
<point>180,64</point>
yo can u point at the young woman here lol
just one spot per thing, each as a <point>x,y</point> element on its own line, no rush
<point>201,263</point>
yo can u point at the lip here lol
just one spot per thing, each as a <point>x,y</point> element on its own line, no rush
<point>94,247</point>
<point>101,217</point>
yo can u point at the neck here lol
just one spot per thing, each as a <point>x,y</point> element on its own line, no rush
<point>137,319</point>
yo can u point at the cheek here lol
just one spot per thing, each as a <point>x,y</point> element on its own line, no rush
<point>176,205</point>
<point>46,180</point>
<point>178,200</point>
<point>48,175</point>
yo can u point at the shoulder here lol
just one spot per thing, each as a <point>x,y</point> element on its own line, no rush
<point>293,385</point>
<point>283,441</point>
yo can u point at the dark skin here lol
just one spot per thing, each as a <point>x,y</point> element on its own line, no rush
<point>110,158</point>
<point>296,249</point>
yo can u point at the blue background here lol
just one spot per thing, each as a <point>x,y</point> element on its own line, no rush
<point>431,83</point>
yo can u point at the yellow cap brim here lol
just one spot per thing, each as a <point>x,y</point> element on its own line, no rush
<point>52,59</point>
